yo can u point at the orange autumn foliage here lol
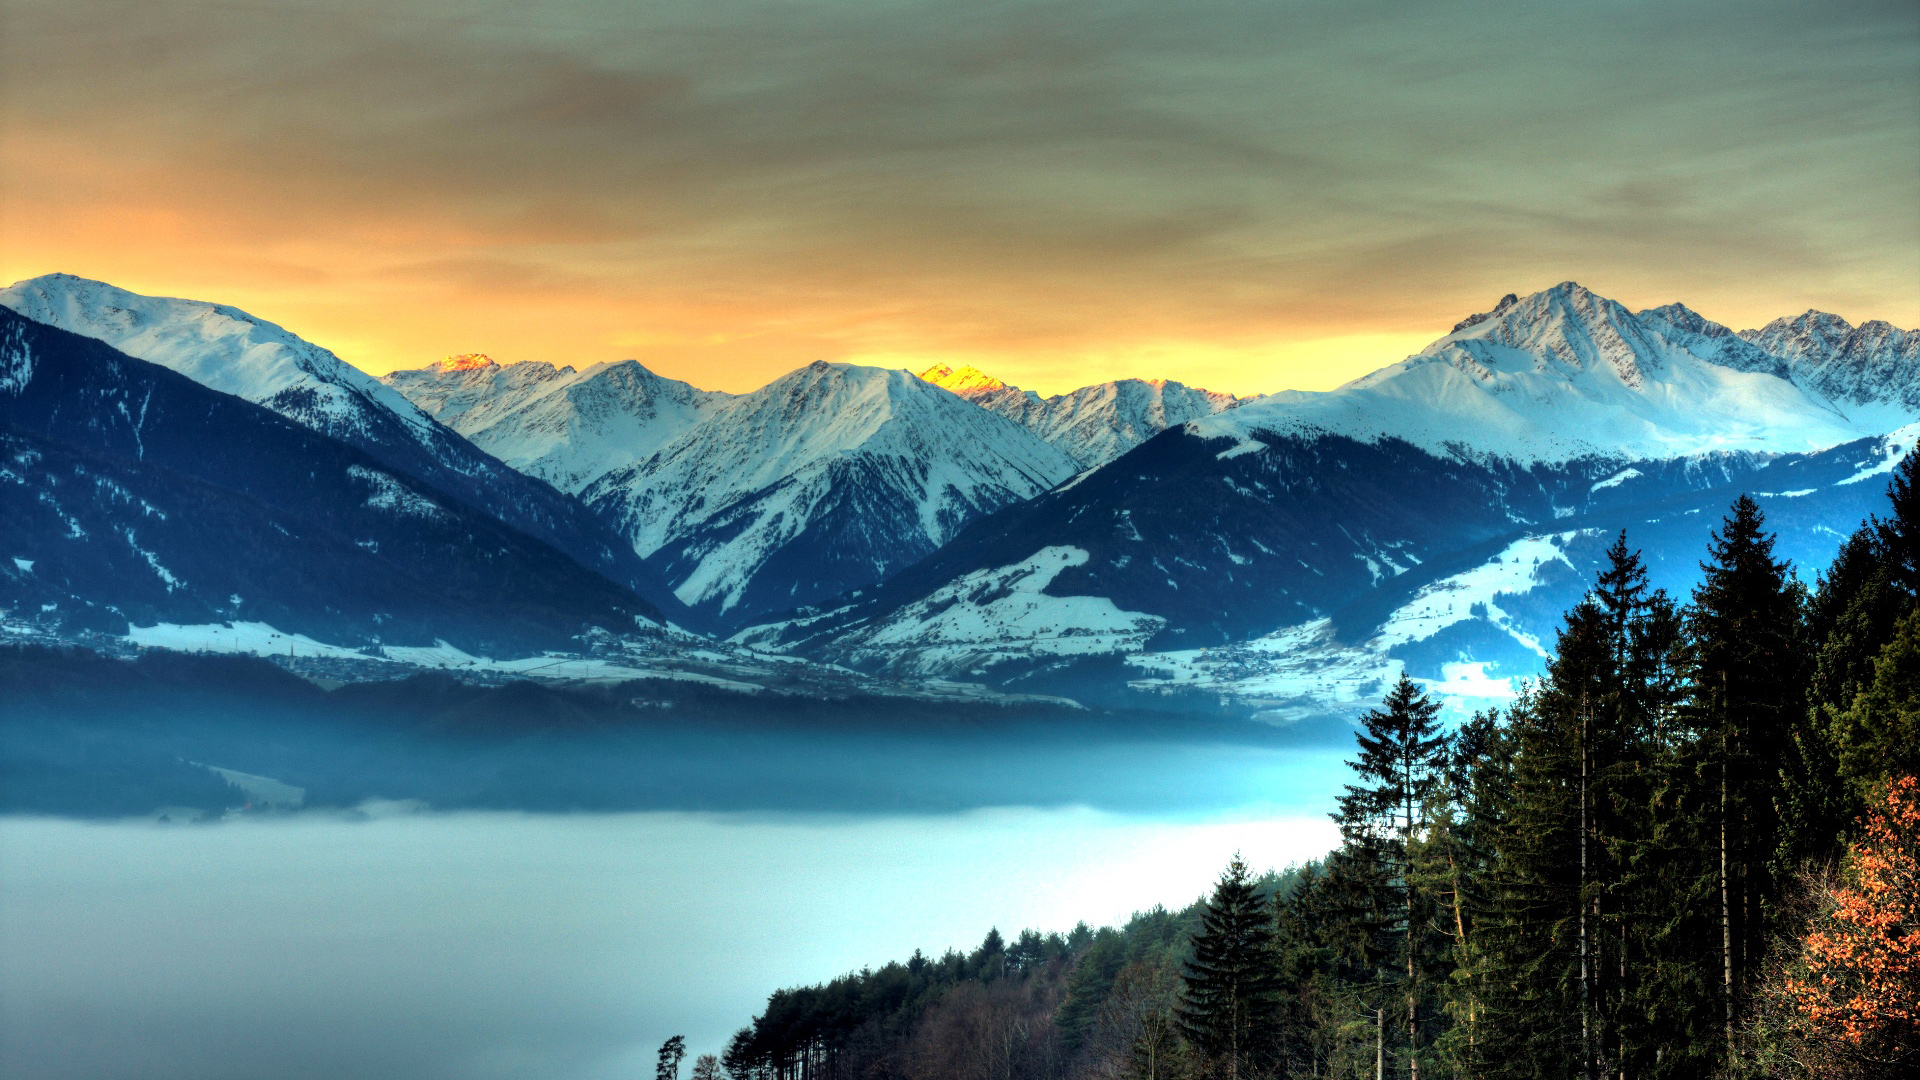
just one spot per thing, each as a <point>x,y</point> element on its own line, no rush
<point>1862,957</point>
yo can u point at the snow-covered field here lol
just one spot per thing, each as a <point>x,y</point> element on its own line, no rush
<point>260,639</point>
<point>1306,670</point>
<point>991,616</point>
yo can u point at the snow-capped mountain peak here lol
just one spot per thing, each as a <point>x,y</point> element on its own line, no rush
<point>964,380</point>
<point>1567,328</point>
<point>1564,374</point>
<point>1873,368</point>
<point>827,478</point>
<point>228,350</point>
<point>221,347</point>
<point>461,362</point>
<point>1093,424</point>
<point>564,426</point>
<point>1681,325</point>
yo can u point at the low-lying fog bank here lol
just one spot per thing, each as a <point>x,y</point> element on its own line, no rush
<point>484,945</point>
<point>86,736</point>
<point>211,868</point>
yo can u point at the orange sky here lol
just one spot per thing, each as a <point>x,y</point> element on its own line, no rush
<point>1247,197</point>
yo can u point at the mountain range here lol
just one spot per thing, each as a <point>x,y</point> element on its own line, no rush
<point>235,353</point>
<point>135,496</point>
<point>1135,540</point>
<point>1093,424</point>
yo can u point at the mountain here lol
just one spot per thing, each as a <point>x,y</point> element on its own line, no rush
<point>566,427</point>
<point>131,495</point>
<point>830,478</point>
<point>1093,424</point>
<point>233,352</point>
<point>1307,520</point>
<point>1874,367</point>
<point>1560,376</point>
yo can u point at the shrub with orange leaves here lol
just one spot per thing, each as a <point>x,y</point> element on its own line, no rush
<point>1859,978</point>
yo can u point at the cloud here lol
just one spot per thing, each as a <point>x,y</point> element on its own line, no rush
<point>1024,180</point>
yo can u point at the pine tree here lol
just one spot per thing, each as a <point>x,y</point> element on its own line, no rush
<point>1401,764</point>
<point>1899,535</point>
<point>1748,698</point>
<point>1450,866</point>
<point>1230,1003</point>
<point>671,1053</point>
<point>1576,928</point>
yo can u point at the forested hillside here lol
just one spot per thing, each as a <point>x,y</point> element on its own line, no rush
<point>1691,850</point>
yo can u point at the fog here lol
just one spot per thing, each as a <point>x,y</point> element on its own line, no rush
<point>547,882</point>
<point>476,945</point>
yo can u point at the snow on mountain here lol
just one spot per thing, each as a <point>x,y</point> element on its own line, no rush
<point>226,349</point>
<point>1093,424</point>
<point>827,479</point>
<point>230,351</point>
<point>1306,670</point>
<point>1872,370</point>
<point>133,495</point>
<point>973,622</point>
<point>564,426</point>
<point>1360,531</point>
<point>1563,375</point>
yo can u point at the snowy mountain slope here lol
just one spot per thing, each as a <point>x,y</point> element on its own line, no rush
<point>235,353</point>
<point>1225,546</point>
<point>1471,635</point>
<point>1872,370</point>
<point>992,616</point>
<point>1093,424</point>
<point>566,427</point>
<point>1559,376</point>
<point>1557,413</point>
<point>829,478</point>
<point>1302,580</point>
<point>132,495</point>
<point>228,350</point>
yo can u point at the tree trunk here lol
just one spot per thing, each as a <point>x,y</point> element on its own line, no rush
<point>1406,863</point>
<point>1586,989</point>
<point>1380,1044</point>
<point>1620,1042</point>
<point>1726,914</point>
<point>1466,954</point>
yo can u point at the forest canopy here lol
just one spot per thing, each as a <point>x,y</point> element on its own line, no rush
<point>1691,849</point>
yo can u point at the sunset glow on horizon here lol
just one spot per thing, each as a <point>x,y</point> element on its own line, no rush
<point>1244,197</point>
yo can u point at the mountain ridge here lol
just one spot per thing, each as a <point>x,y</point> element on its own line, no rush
<point>233,352</point>
<point>868,469</point>
<point>135,495</point>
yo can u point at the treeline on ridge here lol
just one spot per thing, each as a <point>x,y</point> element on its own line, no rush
<point>1691,850</point>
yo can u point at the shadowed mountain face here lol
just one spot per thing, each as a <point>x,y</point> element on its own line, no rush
<point>132,494</point>
<point>1440,511</point>
<point>235,353</point>
<point>566,427</point>
<point>1093,424</point>
<point>829,478</point>
<point>1874,363</point>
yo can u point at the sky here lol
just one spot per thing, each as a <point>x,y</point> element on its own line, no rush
<point>1247,195</point>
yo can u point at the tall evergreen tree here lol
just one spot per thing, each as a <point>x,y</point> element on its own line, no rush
<point>1748,699</point>
<point>1451,867</point>
<point>1401,765</point>
<point>672,1052</point>
<point>1230,1004</point>
<point>1899,535</point>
